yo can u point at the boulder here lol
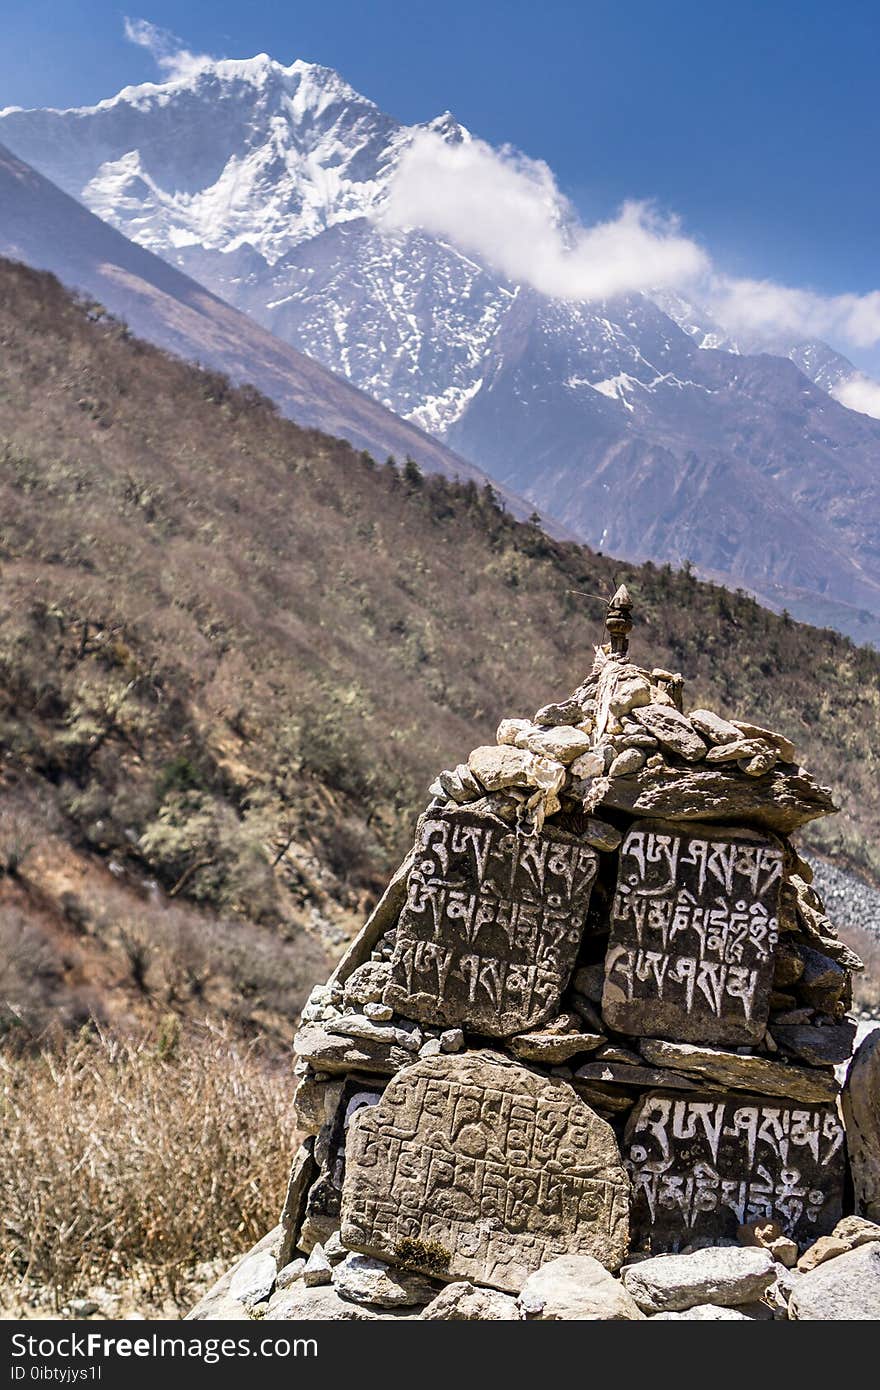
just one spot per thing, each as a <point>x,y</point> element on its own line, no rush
<point>855,1230</point>
<point>783,745</point>
<point>720,1275</point>
<point>366,984</point>
<point>464,1302</point>
<point>577,1288</point>
<point>337,1052</point>
<point>861,1113</point>
<point>825,1248</point>
<point>846,1289</point>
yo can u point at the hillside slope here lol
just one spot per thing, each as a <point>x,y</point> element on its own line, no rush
<point>46,228</point>
<point>233,654</point>
<point>266,183</point>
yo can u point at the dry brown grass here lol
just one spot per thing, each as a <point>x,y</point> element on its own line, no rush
<point>136,1159</point>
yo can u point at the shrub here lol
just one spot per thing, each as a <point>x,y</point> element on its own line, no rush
<point>137,1158</point>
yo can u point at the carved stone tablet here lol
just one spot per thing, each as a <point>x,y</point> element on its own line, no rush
<point>490,930</point>
<point>473,1167</point>
<point>703,1165</point>
<point>693,933</point>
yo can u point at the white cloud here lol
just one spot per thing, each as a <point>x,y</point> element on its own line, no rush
<point>167,50</point>
<point>860,393</point>
<point>762,308</point>
<point>508,210</point>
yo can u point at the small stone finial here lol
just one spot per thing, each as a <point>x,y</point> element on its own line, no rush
<point>618,621</point>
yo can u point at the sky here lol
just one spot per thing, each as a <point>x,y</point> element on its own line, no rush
<point>756,124</point>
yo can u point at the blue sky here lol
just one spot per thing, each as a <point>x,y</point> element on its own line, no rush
<point>757,123</point>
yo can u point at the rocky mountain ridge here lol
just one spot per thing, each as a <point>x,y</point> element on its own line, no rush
<point>263,181</point>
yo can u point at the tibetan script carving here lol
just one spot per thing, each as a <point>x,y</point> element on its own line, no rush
<point>491,926</point>
<point>473,1167</point>
<point>693,933</point>
<point>705,1165</point>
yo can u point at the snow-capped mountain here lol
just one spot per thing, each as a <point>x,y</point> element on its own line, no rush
<point>639,422</point>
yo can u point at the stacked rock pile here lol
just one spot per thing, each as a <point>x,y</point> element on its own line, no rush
<point>592,1026</point>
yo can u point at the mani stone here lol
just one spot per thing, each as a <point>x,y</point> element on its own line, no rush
<point>473,1167</point>
<point>861,1112</point>
<point>703,1166</point>
<point>694,927</point>
<point>490,931</point>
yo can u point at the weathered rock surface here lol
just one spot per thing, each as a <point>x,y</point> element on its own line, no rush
<point>712,727</point>
<point>842,1290</point>
<point>464,1302</point>
<point>317,1269</point>
<point>219,1304</point>
<point>322,1304</point>
<point>821,1047</point>
<point>861,1112</point>
<point>337,1052</point>
<point>673,731</point>
<point>254,1279</point>
<point>365,1280</point>
<point>744,1073</point>
<point>784,799</point>
<point>528,1172</point>
<point>576,1287</point>
<point>724,1275</point>
<point>552,1048</point>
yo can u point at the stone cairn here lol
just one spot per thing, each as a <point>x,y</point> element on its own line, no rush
<point>591,1026</point>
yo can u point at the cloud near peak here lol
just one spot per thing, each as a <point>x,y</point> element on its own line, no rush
<point>507,210</point>
<point>169,53</point>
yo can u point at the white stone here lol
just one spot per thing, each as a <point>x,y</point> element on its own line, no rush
<point>575,1288</point>
<point>464,1302</point>
<point>842,1290</point>
<point>254,1279</point>
<point>365,1280</point>
<point>725,1275</point>
<point>451,1040</point>
<point>290,1273</point>
<point>317,1269</point>
<point>378,1013</point>
<point>588,765</point>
